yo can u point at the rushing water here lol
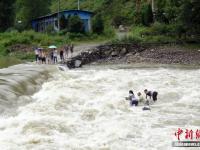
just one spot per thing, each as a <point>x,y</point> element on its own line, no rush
<point>85,109</point>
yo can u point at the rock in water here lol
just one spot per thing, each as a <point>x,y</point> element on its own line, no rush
<point>78,63</point>
<point>62,68</point>
<point>146,108</point>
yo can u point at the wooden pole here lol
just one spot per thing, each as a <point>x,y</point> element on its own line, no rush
<point>78,4</point>
<point>58,15</point>
<point>153,9</point>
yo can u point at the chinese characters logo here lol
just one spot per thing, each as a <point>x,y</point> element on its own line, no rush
<point>187,138</point>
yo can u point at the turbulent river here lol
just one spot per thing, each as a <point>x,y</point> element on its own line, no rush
<point>43,108</point>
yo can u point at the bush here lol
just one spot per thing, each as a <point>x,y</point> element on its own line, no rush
<point>8,61</point>
<point>3,51</point>
<point>50,29</point>
<point>159,39</point>
<point>109,32</point>
<point>139,30</point>
<point>119,20</point>
<point>97,24</point>
<point>158,28</point>
<point>63,22</point>
<point>75,35</point>
<point>75,24</point>
<point>127,39</point>
<point>147,15</point>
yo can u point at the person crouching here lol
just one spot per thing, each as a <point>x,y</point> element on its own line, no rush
<point>151,94</point>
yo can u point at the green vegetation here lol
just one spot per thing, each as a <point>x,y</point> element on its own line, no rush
<point>147,15</point>
<point>158,33</point>
<point>8,61</point>
<point>75,25</point>
<point>29,9</point>
<point>7,14</point>
<point>71,24</point>
<point>167,21</point>
<point>21,44</point>
<point>97,24</point>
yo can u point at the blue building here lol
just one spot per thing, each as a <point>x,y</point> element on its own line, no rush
<point>40,24</point>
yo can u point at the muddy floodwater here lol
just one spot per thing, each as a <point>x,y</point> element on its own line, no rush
<point>43,108</point>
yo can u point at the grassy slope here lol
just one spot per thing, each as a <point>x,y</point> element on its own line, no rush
<point>31,39</point>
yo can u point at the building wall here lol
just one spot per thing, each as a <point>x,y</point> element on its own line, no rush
<point>41,24</point>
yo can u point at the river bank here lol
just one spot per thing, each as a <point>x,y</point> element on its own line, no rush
<point>159,55</point>
<point>133,53</point>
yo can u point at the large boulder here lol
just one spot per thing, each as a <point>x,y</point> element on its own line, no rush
<point>107,53</point>
<point>74,63</point>
<point>114,53</point>
<point>123,52</point>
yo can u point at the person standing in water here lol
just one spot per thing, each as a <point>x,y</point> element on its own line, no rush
<point>66,48</point>
<point>132,99</point>
<point>62,55</point>
<point>51,57</point>
<point>71,49</point>
<point>43,57</point>
<point>36,55</point>
<point>151,94</point>
<point>55,54</point>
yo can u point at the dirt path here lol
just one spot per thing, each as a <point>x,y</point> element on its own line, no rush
<point>85,46</point>
<point>82,48</point>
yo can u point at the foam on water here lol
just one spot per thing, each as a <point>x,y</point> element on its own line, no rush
<point>85,110</point>
<point>18,83</point>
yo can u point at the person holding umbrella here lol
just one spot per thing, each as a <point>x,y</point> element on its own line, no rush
<point>54,54</point>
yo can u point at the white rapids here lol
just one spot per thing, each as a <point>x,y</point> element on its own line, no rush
<point>85,109</point>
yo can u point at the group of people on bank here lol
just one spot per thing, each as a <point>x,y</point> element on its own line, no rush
<point>140,100</point>
<point>51,57</point>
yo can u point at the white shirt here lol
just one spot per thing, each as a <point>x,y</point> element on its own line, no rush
<point>36,52</point>
<point>55,53</point>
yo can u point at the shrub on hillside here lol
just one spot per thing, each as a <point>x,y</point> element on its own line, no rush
<point>63,22</point>
<point>97,24</point>
<point>75,24</point>
<point>50,29</point>
<point>147,15</point>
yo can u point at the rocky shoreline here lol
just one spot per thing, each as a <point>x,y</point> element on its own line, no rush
<point>133,53</point>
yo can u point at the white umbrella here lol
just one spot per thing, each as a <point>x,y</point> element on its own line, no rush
<point>52,46</point>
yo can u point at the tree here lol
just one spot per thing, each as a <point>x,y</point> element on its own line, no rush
<point>75,24</point>
<point>97,24</point>
<point>7,14</point>
<point>196,15</point>
<point>147,15</point>
<point>186,14</point>
<point>63,22</point>
<point>29,9</point>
